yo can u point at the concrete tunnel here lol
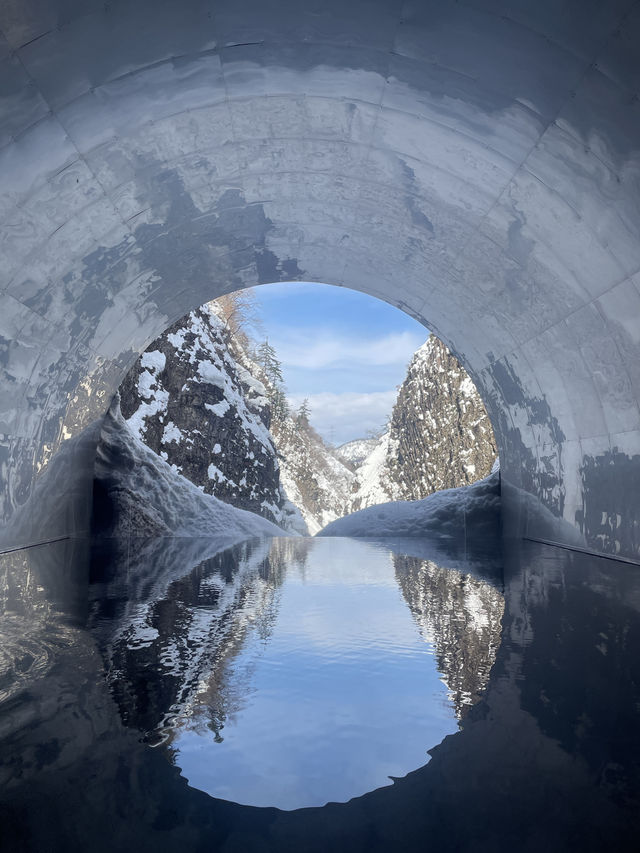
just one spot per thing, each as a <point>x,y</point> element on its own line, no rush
<point>476,164</point>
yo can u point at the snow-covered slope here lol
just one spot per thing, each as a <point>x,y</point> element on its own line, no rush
<point>439,435</point>
<point>194,398</point>
<point>356,451</point>
<point>444,513</point>
<point>140,494</point>
<point>313,476</point>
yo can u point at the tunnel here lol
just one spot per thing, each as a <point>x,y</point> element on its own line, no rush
<point>475,164</point>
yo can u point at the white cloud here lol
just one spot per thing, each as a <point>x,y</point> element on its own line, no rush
<point>319,349</point>
<point>341,417</point>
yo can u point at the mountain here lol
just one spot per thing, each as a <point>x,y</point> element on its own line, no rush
<point>439,435</point>
<point>314,476</point>
<point>137,493</point>
<point>195,399</point>
<point>218,416</point>
<point>356,451</point>
<point>214,409</point>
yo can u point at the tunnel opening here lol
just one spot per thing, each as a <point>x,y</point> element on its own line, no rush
<point>205,644</point>
<point>473,163</point>
<point>467,195</point>
<point>209,398</point>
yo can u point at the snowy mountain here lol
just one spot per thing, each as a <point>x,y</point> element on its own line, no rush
<point>139,494</point>
<point>313,476</point>
<point>356,451</point>
<point>194,399</point>
<point>218,417</point>
<point>439,435</point>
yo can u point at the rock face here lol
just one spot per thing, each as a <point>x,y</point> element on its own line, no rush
<point>194,399</point>
<point>439,436</point>
<point>138,494</point>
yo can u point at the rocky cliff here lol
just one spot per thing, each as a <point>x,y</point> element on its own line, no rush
<point>439,435</point>
<point>194,398</point>
<point>218,416</point>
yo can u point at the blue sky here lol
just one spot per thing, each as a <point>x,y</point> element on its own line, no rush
<point>345,351</point>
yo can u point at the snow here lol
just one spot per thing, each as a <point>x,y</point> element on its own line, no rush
<point>171,433</point>
<point>443,513</point>
<point>215,474</point>
<point>356,451</point>
<point>220,409</point>
<point>212,374</point>
<point>155,360</point>
<point>169,503</point>
<point>373,486</point>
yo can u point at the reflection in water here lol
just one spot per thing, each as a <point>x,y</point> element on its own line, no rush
<point>290,672</point>
<point>548,759</point>
<point>461,616</point>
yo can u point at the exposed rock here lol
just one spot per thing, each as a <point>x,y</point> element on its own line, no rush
<point>194,399</point>
<point>439,436</point>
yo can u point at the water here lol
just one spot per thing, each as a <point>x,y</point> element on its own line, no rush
<point>105,688</point>
<point>299,674</point>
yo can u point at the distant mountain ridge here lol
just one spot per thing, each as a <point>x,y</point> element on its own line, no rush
<point>356,451</point>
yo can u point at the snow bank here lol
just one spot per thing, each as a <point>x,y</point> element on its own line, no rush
<point>144,496</point>
<point>445,513</point>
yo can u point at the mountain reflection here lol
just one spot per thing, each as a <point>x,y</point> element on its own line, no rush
<point>163,653</point>
<point>461,617</point>
<point>184,658</point>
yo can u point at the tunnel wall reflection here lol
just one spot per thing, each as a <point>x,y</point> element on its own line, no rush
<point>475,165</point>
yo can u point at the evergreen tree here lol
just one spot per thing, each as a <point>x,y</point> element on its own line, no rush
<point>302,418</point>
<point>279,405</point>
<point>266,356</point>
<point>276,394</point>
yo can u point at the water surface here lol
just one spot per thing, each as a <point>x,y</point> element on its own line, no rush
<point>298,672</point>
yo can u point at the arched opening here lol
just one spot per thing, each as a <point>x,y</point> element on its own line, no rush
<point>256,397</point>
<point>464,187</point>
<point>475,164</point>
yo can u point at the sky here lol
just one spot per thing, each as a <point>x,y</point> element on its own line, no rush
<point>345,351</point>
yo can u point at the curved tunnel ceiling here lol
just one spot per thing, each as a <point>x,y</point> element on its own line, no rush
<point>476,164</point>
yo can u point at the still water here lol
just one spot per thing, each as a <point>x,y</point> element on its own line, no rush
<point>300,672</point>
<point>144,703</point>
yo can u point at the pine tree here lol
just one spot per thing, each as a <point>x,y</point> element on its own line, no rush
<point>279,405</point>
<point>276,393</point>
<point>266,356</point>
<point>302,417</point>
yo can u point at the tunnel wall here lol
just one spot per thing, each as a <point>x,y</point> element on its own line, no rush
<point>475,164</point>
